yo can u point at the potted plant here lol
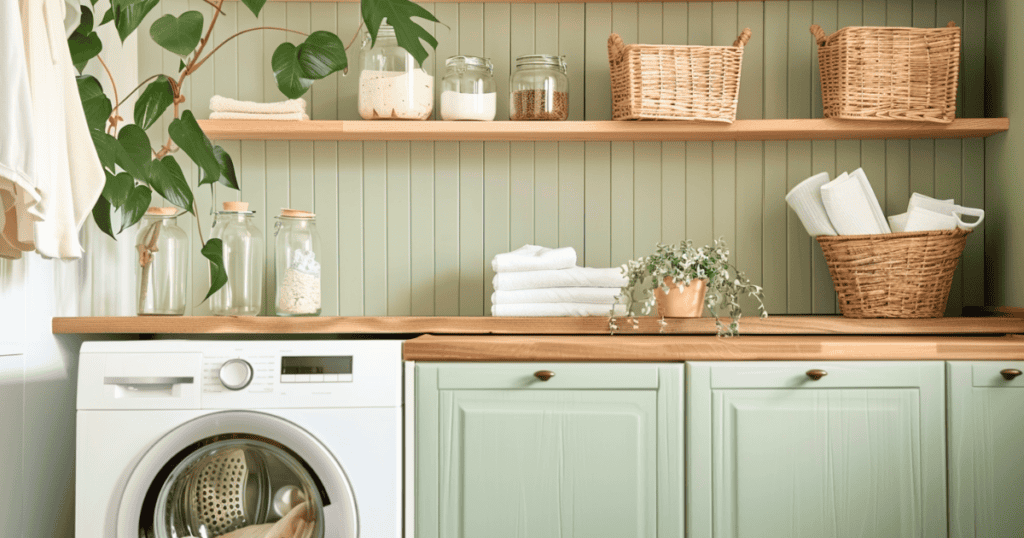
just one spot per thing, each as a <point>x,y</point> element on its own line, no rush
<point>683,281</point>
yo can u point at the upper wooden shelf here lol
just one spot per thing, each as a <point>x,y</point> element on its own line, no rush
<point>528,1</point>
<point>774,325</point>
<point>594,131</point>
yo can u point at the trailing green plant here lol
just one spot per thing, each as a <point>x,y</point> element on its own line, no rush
<point>133,168</point>
<point>684,263</point>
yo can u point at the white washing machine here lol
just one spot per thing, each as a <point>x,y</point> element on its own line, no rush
<point>205,439</point>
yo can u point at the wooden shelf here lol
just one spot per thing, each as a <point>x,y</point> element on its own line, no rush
<point>530,1</point>
<point>774,325</point>
<point>592,131</point>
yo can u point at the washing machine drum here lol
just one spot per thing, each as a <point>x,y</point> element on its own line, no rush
<point>239,488</point>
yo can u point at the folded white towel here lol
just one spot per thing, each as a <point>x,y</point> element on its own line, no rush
<point>577,277</point>
<point>946,207</point>
<point>920,219</point>
<point>534,258</point>
<point>556,309</point>
<point>294,116</point>
<point>557,295</point>
<point>227,104</point>
<point>898,223</point>
<point>852,206</point>
<point>805,199</point>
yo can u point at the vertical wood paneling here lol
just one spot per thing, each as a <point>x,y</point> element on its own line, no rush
<point>410,228</point>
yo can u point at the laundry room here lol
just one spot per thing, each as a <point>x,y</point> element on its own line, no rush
<point>612,268</point>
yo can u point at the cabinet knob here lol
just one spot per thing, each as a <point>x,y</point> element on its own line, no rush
<point>1010,373</point>
<point>545,375</point>
<point>816,374</point>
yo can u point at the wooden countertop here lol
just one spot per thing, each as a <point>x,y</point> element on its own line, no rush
<point>644,348</point>
<point>774,325</point>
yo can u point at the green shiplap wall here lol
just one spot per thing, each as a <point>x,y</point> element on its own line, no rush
<point>409,228</point>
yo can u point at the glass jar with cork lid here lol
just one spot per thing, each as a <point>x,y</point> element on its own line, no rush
<point>298,264</point>
<point>539,88</point>
<point>243,261</point>
<point>162,273</point>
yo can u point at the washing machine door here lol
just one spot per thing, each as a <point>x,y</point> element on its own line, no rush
<point>237,474</point>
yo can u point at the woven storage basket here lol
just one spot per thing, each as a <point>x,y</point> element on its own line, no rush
<point>880,73</point>
<point>899,275</point>
<point>674,82</point>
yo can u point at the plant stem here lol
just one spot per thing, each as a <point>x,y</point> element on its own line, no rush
<point>141,84</point>
<point>225,42</point>
<point>214,5</point>
<point>198,225</point>
<point>114,118</point>
<point>202,43</point>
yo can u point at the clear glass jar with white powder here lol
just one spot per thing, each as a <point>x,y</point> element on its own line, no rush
<point>298,264</point>
<point>392,86</point>
<point>467,90</point>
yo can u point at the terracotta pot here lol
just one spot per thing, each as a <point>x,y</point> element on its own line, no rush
<point>682,301</point>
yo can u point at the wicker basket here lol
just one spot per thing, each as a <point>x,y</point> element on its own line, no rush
<point>899,275</point>
<point>673,82</point>
<point>878,73</point>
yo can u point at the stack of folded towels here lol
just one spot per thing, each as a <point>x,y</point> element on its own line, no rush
<point>225,108</point>
<point>538,281</point>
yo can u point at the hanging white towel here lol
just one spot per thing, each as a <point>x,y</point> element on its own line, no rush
<point>852,206</point>
<point>534,258</point>
<point>577,277</point>
<point>557,295</point>
<point>291,116</point>
<point>226,104</point>
<point>556,309</point>
<point>805,199</point>
<point>69,175</point>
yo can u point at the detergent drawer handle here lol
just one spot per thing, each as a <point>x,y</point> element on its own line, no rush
<point>148,380</point>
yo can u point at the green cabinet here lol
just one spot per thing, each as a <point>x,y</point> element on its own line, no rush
<point>595,451</point>
<point>986,449</point>
<point>773,453</point>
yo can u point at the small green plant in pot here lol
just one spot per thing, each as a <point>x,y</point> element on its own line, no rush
<point>680,279</point>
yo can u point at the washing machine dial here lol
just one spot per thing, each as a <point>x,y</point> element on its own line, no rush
<point>235,374</point>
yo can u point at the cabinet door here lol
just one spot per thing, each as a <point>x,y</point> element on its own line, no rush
<point>986,449</point>
<point>774,453</point>
<point>502,454</point>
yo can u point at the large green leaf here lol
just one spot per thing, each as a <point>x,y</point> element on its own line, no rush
<point>399,14</point>
<point>107,17</point>
<point>153,102</point>
<point>128,15</point>
<point>179,35</point>
<point>227,170</point>
<point>136,206</point>
<point>101,214</point>
<point>85,23</point>
<point>255,5</point>
<point>84,47</point>
<point>214,251</point>
<point>322,54</point>
<point>135,144</point>
<point>291,79</point>
<point>95,103</point>
<point>117,188</point>
<point>107,148</point>
<point>185,132</point>
<point>166,178</point>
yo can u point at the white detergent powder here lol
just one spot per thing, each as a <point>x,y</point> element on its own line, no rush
<point>396,95</point>
<point>468,106</point>
<point>299,292</point>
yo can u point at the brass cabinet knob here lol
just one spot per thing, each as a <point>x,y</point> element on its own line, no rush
<point>544,375</point>
<point>816,374</point>
<point>1010,373</point>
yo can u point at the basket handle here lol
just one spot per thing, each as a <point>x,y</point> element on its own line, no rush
<point>960,211</point>
<point>819,34</point>
<point>615,47</point>
<point>743,39</point>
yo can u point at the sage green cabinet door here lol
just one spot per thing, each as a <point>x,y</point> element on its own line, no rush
<point>986,449</point>
<point>775,454</point>
<point>518,457</point>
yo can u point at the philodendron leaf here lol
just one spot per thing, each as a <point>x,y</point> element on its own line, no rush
<point>399,14</point>
<point>167,179</point>
<point>135,207</point>
<point>227,170</point>
<point>179,35</point>
<point>84,47</point>
<point>101,214</point>
<point>153,102</point>
<point>117,188</point>
<point>95,103</point>
<point>322,54</point>
<point>185,132</point>
<point>255,5</point>
<point>128,15</point>
<point>107,17</point>
<point>137,150</point>
<point>291,80</point>
<point>85,22</point>
<point>107,148</point>
<point>214,251</point>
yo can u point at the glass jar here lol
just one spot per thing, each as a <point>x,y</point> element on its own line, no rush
<point>298,264</point>
<point>467,89</point>
<point>539,89</point>
<point>162,274</point>
<point>243,261</point>
<point>392,86</point>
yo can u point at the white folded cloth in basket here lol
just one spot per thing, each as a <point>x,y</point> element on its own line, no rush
<point>534,258</point>
<point>925,213</point>
<point>576,277</point>
<point>293,116</point>
<point>220,103</point>
<point>852,206</point>
<point>556,309</point>
<point>604,296</point>
<point>805,199</point>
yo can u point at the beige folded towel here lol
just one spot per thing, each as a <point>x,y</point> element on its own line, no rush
<point>226,104</point>
<point>298,523</point>
<point>295,116</point>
